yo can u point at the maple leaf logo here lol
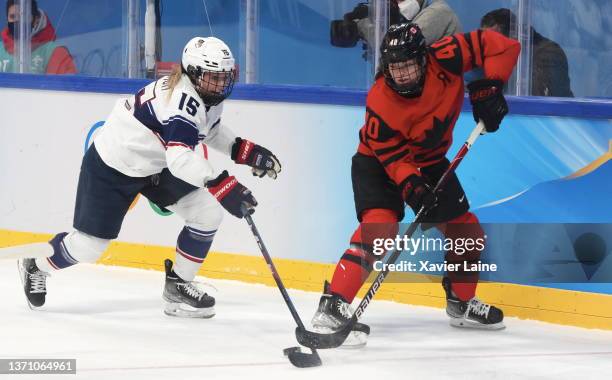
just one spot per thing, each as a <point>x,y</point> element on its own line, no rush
<point>433,136</point>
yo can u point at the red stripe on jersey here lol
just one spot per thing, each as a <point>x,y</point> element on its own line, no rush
<point>188,256</point>
<point>160,139</point>
<point>205,150</point>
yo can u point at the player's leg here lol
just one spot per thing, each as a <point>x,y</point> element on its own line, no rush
<point>103,198</point>
<point>202,215</point>
<point>462,305</point>
<point>452,218</point>
<point>356,263</point>
<point>68,249</point>
<point>379,207</point>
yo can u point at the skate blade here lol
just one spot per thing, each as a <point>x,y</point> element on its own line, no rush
<point>467,324</point>
<point>355,339</point>
<point>174,309</point>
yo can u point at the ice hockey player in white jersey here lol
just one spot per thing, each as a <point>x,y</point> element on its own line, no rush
<point>154,143</point>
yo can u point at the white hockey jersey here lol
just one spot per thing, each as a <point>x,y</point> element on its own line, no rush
<point>157,128</point>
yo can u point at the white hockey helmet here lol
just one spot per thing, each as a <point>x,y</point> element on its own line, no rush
<point>210,65</point>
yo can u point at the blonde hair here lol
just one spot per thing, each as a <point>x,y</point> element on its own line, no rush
<point>174,78</point>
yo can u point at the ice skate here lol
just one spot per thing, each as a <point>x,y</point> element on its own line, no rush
<point>332,314</point>
<point>473,313</point>
<point>184,298</point>
<point>34,282</point>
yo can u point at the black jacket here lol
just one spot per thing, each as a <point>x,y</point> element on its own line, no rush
<point>550,75</point>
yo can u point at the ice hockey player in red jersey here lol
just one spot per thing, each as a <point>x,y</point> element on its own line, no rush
<point>411,111</point>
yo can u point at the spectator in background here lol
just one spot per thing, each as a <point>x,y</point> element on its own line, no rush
<point>549,67</point>
<point>47,56</point>
<point>435,18</point>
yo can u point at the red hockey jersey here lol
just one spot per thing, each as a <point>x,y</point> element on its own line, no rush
<point>407,134</point>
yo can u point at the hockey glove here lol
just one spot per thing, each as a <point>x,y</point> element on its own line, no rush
<point>231,194</point>
<point>488,102</point>
<point>417,193</point>
<point>262,161</point>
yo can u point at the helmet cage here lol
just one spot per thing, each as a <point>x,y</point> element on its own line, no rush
<point>212,86</point>
<point>401,44</point>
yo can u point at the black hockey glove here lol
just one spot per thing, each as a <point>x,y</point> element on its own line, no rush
<point>232,194</point>
<point>488,102</point>
<point>262,161</point>
<point>417,193</point>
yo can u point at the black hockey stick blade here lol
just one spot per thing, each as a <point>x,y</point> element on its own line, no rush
<point>302,359</point>
<point>316,340</point>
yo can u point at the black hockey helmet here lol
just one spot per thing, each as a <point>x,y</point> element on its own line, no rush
<point>403,56</point>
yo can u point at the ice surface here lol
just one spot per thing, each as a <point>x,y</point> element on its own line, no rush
<point>110,319</point>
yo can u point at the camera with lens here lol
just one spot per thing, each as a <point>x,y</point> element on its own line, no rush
<point>345,33</point>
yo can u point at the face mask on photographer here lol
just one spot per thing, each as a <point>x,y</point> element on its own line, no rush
<point>409,8</point>
<point>12,17</point>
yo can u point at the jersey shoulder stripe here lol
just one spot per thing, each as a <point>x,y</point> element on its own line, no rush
<point>180,120</point>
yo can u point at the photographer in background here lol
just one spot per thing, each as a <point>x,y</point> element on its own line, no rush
<point>549,67</point>
<point>435,18</point>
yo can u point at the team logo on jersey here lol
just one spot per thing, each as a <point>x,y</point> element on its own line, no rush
<point>435,134</point>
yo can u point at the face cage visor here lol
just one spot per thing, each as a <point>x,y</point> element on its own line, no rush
<point>407,77</point>
<point>212,86</point>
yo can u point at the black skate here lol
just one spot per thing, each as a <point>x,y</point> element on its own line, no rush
<point>34,282</point>
<point>334,313</point>
<point>184,299</point>
<point>473,313</point>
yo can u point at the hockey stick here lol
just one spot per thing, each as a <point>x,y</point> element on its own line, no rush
<point>296,356</point>
<point>316,340</point>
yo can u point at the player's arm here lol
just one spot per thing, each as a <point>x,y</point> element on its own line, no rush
<point>243,151</point>
<point>181,135</point>
<point>246,152</point>
<point>392,150</point>
<point>492,51</point>
<point>184,163</point>
<point>496,54</point>
<point>221,138</point>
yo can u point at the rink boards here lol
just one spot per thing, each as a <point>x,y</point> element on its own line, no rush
<point>307,215</point>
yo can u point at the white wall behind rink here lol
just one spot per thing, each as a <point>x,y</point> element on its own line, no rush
<point>306,214</point>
